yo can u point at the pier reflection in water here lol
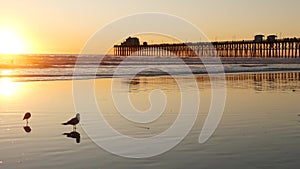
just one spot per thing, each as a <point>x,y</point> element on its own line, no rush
<point>283,81</point>
<point>238,87</point>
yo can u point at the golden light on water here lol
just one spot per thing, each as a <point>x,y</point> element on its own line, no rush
<point>7,86</point>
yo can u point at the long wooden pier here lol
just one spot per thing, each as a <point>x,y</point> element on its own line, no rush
<point>269,48</point>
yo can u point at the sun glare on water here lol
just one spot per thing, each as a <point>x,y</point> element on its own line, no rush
<point>10,43</point>
<point>7,86</point>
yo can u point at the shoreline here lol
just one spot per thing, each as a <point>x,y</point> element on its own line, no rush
<point>61,61</point>
<point>97,77</point>
<point>63,68</point>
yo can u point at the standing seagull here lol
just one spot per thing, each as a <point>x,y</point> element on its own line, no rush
<point>27,116</point>
<point>73,121</point>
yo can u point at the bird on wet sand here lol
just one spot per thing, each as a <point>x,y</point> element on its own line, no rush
<point>73,121</point>
<point>27,116</point>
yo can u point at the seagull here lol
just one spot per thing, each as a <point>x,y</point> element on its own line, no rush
<point>73,121</point>
<point>27,116</point>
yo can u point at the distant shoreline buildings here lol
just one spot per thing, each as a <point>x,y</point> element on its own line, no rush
<point>258,47</point>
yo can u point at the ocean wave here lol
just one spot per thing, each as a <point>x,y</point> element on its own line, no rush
<point>68,67</point>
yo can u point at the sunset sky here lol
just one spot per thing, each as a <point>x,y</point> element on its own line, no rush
<point>63,26</point>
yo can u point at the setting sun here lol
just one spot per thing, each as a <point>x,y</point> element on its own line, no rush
<point>10,43</point>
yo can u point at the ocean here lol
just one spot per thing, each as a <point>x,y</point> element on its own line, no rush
<point>68,66</point>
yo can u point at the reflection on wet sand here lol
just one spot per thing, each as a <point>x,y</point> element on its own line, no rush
<point>258,81</point>
<point>140,89</point>
<point>266,81</point>
<point>251,121</point>
<point>27,129</point>
<point>73,134</point>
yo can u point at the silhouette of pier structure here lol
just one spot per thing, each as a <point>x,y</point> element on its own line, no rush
<point>271,47</point>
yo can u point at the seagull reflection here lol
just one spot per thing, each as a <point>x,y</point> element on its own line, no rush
<point>73,134</point>
<point>27,129</point>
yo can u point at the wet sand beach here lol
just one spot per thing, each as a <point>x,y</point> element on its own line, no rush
<point>259,127</point>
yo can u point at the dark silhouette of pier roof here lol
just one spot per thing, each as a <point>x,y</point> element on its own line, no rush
<point>131,41</point>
